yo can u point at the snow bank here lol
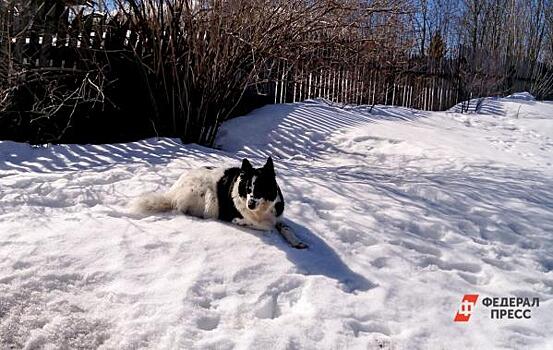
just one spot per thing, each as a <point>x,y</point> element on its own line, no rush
<point>404,212</point>
<point>525,96</point>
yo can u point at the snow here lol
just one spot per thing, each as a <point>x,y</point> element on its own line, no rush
<point>526,96</point>
<point>404,212</point>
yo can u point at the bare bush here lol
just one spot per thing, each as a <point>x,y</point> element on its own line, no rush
<point>192,61</point>
<point>206,54</point>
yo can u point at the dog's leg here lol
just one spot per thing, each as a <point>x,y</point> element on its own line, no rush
<point>240,222</point>
<point>289,235</point>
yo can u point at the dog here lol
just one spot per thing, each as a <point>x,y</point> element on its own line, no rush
<point>244,196</point>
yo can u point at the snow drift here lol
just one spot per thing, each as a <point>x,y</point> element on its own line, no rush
<point>404,212</point>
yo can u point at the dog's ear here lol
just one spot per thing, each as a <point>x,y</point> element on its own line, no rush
<point>246,166</point>
<point>269,167</point>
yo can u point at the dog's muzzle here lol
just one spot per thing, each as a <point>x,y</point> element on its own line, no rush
<point>252,204</point>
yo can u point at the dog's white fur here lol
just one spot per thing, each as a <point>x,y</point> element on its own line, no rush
<point>195,194</point>
<point>262,218</point>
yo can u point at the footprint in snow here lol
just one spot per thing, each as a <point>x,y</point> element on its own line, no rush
<point>279,298</point>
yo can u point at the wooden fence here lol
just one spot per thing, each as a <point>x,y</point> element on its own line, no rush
<point>363,85</point>
<point>407,86</point>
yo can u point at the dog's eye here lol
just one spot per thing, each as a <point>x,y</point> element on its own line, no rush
<point>249,190</point>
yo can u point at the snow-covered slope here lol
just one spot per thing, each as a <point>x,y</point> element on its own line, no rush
<point>404,211</point>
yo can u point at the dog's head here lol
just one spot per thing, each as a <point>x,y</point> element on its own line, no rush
<point>258,186</point>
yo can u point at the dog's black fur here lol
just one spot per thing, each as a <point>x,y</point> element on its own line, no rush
<point>245,196</point>
<point>265,188</point>
<point>227,210</point>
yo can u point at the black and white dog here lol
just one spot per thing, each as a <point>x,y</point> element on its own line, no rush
<point>245,196</point>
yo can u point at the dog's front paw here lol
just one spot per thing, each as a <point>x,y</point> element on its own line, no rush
<point>239,222</point>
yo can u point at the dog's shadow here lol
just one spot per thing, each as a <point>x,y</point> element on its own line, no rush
<point>318,259</point>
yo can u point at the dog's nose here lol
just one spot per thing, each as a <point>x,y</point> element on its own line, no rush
<point>251,204</point>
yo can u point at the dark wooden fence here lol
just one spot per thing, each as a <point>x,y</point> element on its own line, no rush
<point>421,83</point>
<point>407,86</point>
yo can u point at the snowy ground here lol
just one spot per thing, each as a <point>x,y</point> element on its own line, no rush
<point>404,212</point>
